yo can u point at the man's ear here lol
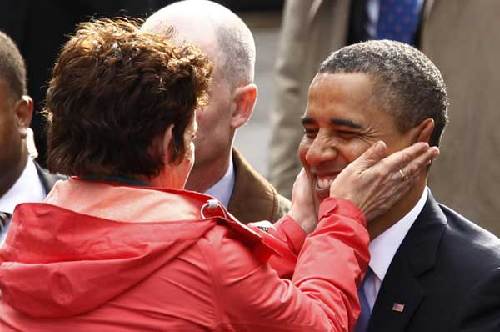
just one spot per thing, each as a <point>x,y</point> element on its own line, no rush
<point>423,131</point>
<point>244,99</point>
<point>167,146</point>
<point>24,112</point>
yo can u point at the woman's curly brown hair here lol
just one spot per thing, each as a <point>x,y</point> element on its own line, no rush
<point>114,92</point>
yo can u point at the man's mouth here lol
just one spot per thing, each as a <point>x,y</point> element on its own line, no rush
<point>323,184</point>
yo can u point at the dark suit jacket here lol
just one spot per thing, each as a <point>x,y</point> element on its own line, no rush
<point>47,179</point>
<point>446,273</point>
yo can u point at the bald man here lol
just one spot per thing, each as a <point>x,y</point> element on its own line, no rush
<point>220,170</point>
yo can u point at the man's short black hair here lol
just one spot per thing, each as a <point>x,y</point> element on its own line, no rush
<point>12,67</point>
<point>406,83</point>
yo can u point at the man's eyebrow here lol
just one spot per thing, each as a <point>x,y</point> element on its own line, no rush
<point>345,123</point>
<point>334,121</point>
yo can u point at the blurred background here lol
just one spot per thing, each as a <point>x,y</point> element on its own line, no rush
<point>253,139</point>
<point>40,28</point>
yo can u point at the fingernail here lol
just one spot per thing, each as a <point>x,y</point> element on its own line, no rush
<point>423,145</point>
<point>434,150</point>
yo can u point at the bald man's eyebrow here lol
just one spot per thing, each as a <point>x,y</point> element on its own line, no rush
<point>345,123</point>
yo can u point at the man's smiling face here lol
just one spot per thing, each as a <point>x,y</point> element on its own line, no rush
<point>341,121</point>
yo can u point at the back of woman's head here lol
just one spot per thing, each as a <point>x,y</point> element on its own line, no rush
<point>114,92</point>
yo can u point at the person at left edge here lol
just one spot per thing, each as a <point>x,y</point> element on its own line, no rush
<point>22,180</point>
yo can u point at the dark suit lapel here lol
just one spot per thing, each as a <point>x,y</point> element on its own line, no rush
<point>401,292</point>
<point>47,179</point>
<point>397,300</point>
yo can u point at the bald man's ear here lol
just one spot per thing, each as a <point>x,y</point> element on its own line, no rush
<point>424,131</point>
<point>24,112</point>
<point>244,99</point>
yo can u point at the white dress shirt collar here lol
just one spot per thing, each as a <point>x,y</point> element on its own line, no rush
<point>27,188</point>
<point>223,189</point>
<point>384,247</point>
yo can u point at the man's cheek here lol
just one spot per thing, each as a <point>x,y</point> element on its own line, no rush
<point>303,160</point>
<point>302,152</point>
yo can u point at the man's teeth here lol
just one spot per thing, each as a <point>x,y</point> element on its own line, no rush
<point>324,183</point>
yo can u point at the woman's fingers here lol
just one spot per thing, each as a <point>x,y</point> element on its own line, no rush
<point>376,185</point>
<point>370,157</point>
<point>410,156</point>
<point>414,167</point>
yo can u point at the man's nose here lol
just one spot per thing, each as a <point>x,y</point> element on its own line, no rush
<point>321,150</point>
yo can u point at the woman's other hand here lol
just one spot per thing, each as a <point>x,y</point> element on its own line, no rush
<point>303,211</point>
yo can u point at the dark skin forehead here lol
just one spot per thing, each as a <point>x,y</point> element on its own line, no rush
<point>340,99</point>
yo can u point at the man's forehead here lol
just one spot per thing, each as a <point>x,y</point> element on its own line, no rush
<point>343,99</point>
<point>342,80</point>
<point>355,88</point>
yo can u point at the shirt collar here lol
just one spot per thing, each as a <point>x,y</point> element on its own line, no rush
<point>223,189</point>
<point>384,247</point>
<point>27,188</point>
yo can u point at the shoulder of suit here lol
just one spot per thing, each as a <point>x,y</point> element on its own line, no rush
<point>478,244</point>
<point>48,179</point>
<point>250,185</point>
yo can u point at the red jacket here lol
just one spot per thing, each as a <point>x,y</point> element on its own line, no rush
<point>78,269</point>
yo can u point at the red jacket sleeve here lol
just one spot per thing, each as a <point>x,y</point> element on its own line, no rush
<point>285,238</point>
<point>322,295</point>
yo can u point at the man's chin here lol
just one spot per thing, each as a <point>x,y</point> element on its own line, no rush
<point>322,194</point>
<point>319,196</point>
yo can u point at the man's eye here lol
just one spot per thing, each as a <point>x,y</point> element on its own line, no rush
<point>310,132</point>
<point>347,134</point>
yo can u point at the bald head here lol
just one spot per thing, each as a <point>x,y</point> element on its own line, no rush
<point>216,30</point>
